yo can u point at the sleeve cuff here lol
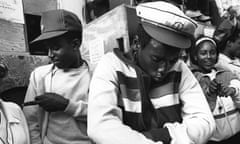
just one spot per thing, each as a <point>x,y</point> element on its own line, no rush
<point>178,133</point>
<point>76,108</point>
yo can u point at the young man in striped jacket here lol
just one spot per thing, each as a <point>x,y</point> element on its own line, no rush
<point>149,96</point>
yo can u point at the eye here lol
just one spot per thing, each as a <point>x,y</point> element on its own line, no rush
<point>202,52</point>
<point>54,47</point>
<point>155,59</point>
<point>154,43</point>
<point>213,52</point>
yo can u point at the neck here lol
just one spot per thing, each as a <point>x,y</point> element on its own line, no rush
<point>78,62</point>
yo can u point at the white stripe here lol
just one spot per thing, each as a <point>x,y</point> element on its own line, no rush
<point>132,106</point>
<point>166,100</point>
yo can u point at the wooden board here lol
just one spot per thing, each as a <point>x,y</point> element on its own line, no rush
<point>104,31</point>
<point>12,37</point>
<point>36,7</point>
<point>19,68</point>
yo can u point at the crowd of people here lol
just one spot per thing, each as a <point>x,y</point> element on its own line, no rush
<point>149,95</point>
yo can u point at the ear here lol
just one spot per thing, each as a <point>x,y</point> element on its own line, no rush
<point>136,43</point>
<point>75,43</point>
<point>229,44</point>
<point>195,58</point>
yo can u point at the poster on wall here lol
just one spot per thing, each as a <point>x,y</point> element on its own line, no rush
<point>96,51</point>
<point>12,10</point>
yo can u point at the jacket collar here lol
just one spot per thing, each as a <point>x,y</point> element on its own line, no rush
<point>196,68</point>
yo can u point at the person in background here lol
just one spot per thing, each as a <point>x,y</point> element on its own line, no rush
<point>221,88</point>
<point>149,96</point>
<point>13,125</point>
<point>227,36</point>
<point>96,8</point>
<point>56,99</point>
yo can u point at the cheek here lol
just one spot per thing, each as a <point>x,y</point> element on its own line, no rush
<point>199,61</point>
<point>146,65</point>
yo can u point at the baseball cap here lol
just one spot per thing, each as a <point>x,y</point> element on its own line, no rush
<point>58,22</point>
<point>166,23</point>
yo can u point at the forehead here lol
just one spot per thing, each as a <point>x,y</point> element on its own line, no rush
<point>206,45</point>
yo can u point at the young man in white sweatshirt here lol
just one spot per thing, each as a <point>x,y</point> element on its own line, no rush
<point>59,89</point>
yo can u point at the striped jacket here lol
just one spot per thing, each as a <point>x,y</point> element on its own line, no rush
<point>125,107</point>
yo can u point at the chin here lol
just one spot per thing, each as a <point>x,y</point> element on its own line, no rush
<point>208,70</point>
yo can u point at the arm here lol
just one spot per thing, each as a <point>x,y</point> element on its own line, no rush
<point>230,86</point>
<point>31,113</point>
<point>235,83</point>
<point>73,101</point>
<point>222,64</point>
<point>105,124</point>
<point>79,108</point>
<point>204,82</point>
<point>198,123</point>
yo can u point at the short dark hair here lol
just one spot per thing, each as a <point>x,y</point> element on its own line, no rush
<point>142,37</point>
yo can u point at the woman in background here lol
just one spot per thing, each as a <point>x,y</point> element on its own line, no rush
<point>221,88</point>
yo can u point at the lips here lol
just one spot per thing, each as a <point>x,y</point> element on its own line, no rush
<point>208,63</point>
<point>158,76</point>
<point>54,60</point>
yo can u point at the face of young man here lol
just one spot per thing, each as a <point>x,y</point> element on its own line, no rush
<point>61,52</point>
<point>156,59</point>
<point>206,56</point>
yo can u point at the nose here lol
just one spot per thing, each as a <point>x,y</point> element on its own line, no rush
<point>162,66</point>
<point>208,55</point>
<point>50,53</point>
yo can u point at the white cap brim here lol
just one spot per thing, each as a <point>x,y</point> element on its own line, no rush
<point>167,36</point>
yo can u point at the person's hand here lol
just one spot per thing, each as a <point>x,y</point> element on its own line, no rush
<point>213,88</point>
<point>52,102</point>
<point>227,91</point>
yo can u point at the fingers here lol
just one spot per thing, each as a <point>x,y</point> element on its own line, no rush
<point>52,102</point>
<point>213,87</point>
<point>227,91</point>
<point>30,103</point>
<point>44,102</point>
<point>217,88</point>
<point>46,97</point>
